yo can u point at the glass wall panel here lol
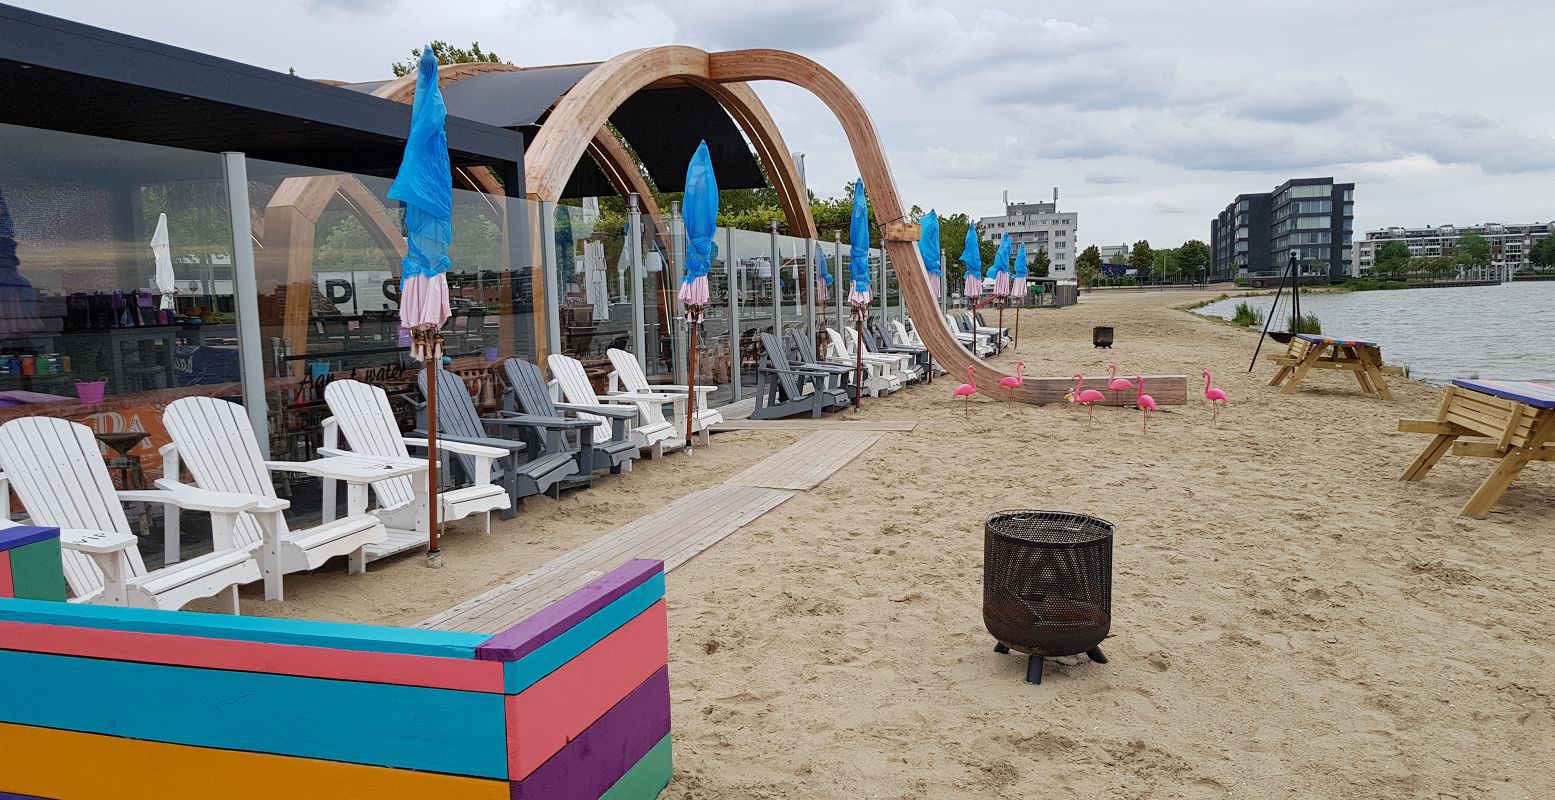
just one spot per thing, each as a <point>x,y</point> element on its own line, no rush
<point>327,254</point>
<point>751,257</point>
<point>595,296</point>
<point>90,329</point>
<point>659,303</point>
<point>797,295</point>
<point>714,354</point>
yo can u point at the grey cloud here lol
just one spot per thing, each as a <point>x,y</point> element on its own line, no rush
<point>1303,102</point>
<point>1167,207</point>
<point>1105,178</point>
<point>352,6</point>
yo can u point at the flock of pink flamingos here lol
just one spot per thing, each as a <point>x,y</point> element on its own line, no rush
<point>1080,395</point>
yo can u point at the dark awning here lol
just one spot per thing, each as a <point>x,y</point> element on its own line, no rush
<point>65,76</point>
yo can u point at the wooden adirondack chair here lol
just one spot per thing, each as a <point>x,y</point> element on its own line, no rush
<point>529,398</point>
<point>904,365</point>
<point>361,412</point>
<point>966,323</point>
<point>213,439</point>
<point>458,421</point>
<point>880,340</point>
<point>1005,339</point>
<point>57,469</point>
<point>782,391</point>
<point>804,358</point>
<point>880,375</point>
<point>628,378</point>
<point>650,430</point>
<point>897,330</point>
<point>979,344</point>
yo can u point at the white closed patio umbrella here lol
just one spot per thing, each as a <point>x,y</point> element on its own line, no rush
<point>162,279</point>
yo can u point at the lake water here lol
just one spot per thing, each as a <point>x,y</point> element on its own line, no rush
<point>1504,332</point>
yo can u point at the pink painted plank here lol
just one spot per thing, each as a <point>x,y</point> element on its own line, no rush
<point>553,620</point>
<point>563,704</point>
<point>7,588</point>
<point>229,654</point>
<point>590,764</point>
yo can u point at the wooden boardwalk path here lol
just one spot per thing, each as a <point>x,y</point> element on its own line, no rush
<point>672,534</point>
<point>815,425</point>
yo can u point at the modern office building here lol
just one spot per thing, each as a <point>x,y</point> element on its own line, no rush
<point>1510,246</point>
<point>1113,253</point>
<point>1042,227</point>
<point>1311,218</point>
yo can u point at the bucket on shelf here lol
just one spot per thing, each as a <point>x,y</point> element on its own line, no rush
<point>91,392</point>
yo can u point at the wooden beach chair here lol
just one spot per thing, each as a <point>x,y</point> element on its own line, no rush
<point>627,378</point>
<point>1511,421</point>
<point>880,375</point>
<point>782,391</point>
<point>56,468</point>
<point>904,365</point>
<point>880,340</point>
<point>458,421</point>
<point>529,396</point>
<point>1308,351</point>
<point>804,359</point>
<point>360,413</point>
<point>650,431</point>
<point>213,439</point>
<point>977,344</point>
<point>966,323</point>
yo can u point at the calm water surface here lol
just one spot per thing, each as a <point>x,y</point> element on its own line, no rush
<point>1502,332</point>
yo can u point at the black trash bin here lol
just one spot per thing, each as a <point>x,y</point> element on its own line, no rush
<point>1047,584</point>
<point>1101,336</point>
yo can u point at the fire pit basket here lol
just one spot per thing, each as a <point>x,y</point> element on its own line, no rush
<point>1101,336</point>
<point>1047,584</point>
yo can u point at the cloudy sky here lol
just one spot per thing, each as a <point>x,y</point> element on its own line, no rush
<point>1149,116</point>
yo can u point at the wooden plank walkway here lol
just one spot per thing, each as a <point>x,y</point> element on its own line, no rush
<point>815,425</point>
<point>673,534</point>
<point>807,462</point>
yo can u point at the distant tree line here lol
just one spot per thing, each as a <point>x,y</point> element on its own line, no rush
<point>1188,262</point>
<point>1394,261</point>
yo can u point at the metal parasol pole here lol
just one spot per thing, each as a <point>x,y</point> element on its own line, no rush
<point>693,319</point>
<point>858,353</point>
<point>431,343</point>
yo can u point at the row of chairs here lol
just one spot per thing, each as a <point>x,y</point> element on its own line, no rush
<point>550,436</point>
<point>792,379</point>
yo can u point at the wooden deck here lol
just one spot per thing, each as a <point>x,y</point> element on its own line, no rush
<point>805,463</point>
<point>815,425</point>
<point>673,534</point>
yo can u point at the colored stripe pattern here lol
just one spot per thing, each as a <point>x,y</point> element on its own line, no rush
<point>1538,395</point>
<point>1320,339</point>
<point>30,566</point>
<point>571,703</point>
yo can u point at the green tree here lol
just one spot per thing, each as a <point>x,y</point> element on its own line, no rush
<point>1140,256</point>
<point>1193,259</point>
<point>446,54</point>
<point>1471,250</point>
<point>1040,263</point>
<point>1088,265</point>
<point>1543,253</point>
<point>1392,258</point>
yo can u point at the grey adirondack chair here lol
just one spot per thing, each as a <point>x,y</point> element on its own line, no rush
<point>804,359</point>
<point>528,397</point>
<point>457,420</point>
<point>782,391</point>
<point>877,341</point>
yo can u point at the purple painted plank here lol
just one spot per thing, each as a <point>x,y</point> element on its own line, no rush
<point>12,538</point>
<point>590,764</point>
<point>13,796</point>
<point>553,620</point>
<point>1538,395</point>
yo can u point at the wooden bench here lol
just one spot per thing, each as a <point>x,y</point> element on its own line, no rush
<point>1312,351</point>
<point>1513,421</point>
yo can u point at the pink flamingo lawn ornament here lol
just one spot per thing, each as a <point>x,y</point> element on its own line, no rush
<point>1116,384</point>
<point>1146,404</point>
<point>966,390</point>
<point>1012,382</point>
<point>1214,395</point>
<point>1086,397</point>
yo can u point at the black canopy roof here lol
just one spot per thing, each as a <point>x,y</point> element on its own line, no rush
<point>65,76</point>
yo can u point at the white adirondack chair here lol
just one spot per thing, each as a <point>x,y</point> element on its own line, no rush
<point>879,374</point>
<point>628,378</point>
<point>361,412</point>
<point>967,322</point>
<point>899,330</point>
<point>901,363</point>
<point>57,469</point>
<point>650,430</point>
<point>213,439</point>
<point>981,345</point>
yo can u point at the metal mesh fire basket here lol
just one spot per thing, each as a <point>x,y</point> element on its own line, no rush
<point>1047,584</point>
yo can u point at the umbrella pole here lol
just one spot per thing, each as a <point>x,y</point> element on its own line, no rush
<point>1017,325</point>
<point>431,338</point>
<point>691,377</point>
<point>858,367</point>
<point>1003,301</point>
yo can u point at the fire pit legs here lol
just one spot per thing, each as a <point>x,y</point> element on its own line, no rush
<point>1034,669</point>
<point>1001,648</point>
<point>1095,655</point>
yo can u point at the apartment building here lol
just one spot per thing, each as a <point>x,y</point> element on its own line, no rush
<point>1510,246</point>
<point>1310,218</point>
<point>1042,227</point>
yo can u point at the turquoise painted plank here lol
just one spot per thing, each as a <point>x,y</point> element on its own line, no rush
<point>523,673</point>
<point>435,730</point>
<point>339,635</point>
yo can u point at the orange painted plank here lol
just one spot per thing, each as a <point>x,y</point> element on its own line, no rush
<point>67,765</point>
<point>231,654</point>
<point>556,709</point>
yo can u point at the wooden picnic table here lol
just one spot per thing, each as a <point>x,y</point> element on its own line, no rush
<point>1308,351</point>
<point>1513,421</point>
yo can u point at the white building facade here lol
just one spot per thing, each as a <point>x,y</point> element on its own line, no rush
<point>1042,227</point>
<point>1510,246</point>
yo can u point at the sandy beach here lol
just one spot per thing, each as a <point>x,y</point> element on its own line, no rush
<point>1289,620</point>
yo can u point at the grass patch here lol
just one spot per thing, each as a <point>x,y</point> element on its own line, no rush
<point>1203,303</point>
<point>1369,285</point>
<point>1306,323</point>
<point>1247,316</point>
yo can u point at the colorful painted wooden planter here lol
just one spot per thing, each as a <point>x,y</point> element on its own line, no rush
<point>569,704</point>
<point>29,563</point>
